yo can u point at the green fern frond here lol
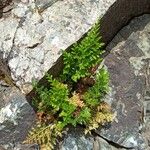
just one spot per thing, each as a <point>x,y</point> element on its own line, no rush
<point>57,100</point>
<point>83,55</point>
<point>94,94</point>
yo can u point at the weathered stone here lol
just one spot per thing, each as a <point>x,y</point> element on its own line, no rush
<point>36,31</point>
<point>4,3</point>
<point>39,35</point>
<point>76,140</point>
<point>119,14</point>
<point>42,5</point>
<point>26,147</point>
<point>32,37</point>
<point>16,116</point>
<point>101,144</point>
<point>127,66</point>
<point>146,134</point>
<point>20,147</point>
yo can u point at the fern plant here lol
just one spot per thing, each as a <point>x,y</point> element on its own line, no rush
<point>94,94</point>
<point>56,101</point>
<point>52,99</point>
<point>102,115</point>
<point>44,135</point>
<point>69,107</point>
<point>83,56</point>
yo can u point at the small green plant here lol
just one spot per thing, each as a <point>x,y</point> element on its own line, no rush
<point>59,105</point>
<point>94,94</point>
<point>56,101</point>
<point>83,56</point>
<point>52,99</point>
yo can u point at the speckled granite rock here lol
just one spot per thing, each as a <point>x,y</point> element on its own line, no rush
<point>20,147</point>
<point>16,116</point>
<point>4,3</point>
<point>44,4</point>
<point>129,66</point>
<point>32,36</point>
<point>101,144</point>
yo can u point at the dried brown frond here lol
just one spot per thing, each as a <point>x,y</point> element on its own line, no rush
<point>76,100</point>
<point>44,135</point>
<point>102,116</point>
<point>104,107</point>
<point>45,117</point>
<point>88,81</point>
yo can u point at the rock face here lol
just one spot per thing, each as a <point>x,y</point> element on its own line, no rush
<point>119,14</point>
<point>33,35</point>
<point>16,116</point>
<point>34,31</point>
<point>76,140</point>
<point>129,66</point>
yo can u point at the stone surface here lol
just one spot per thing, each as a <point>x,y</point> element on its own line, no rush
<point>34,32</point>
<point>4,3</point>
<point>19,147</point>
<point>44,4</point>
<point>26,147</point>
<point>129,66</point>
<point>76,140</point>
<point>101,144</point>
<point>119,14</point>
<point>16,116</point>
<point>33,35</point>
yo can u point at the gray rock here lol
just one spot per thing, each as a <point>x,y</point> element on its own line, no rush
<point>26,147</point>
<point>128,73</point>
<point>19,147</point>
<point>119,14</point>
<point>101,144</point>
<point>39,35</point>
<point>42,5</point>
<point>32,36</point>
<point>34,33</point>
<point>4,3</point>
<point>16,116</point>
<point>76,140</point>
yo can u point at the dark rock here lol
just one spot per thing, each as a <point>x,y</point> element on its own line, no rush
<point>26,147</point>
<point>20,147</point>
<point>119,14</point>
<point>76,140</point>
<point>4,3</point>
<point>16,116</point>
<point>101,144</point>
<point>126,66</point>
